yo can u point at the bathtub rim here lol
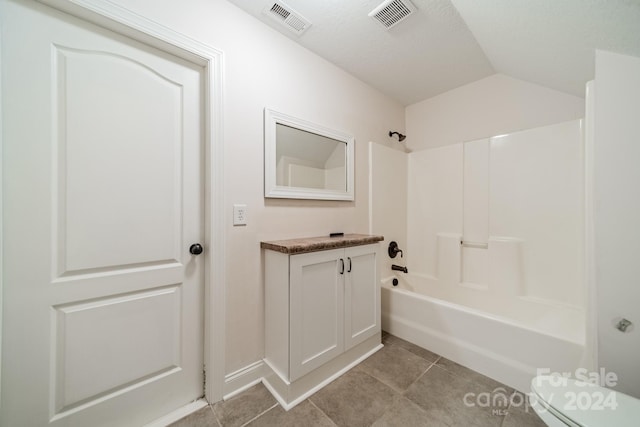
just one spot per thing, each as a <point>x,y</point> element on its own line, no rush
<point>386,282</point>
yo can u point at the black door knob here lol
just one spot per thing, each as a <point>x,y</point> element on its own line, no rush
<point>196,249</point>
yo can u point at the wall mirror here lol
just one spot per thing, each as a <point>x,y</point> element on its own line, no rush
<point>304,160</point>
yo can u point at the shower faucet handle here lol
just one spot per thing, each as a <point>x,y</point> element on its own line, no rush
<point>394,250</point>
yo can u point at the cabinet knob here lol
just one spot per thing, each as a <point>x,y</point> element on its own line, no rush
<point>349,270</point>
<point>341,266</point>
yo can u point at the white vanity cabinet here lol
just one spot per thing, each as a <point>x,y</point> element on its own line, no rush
<point>333,304</point>
<point>322,311</point>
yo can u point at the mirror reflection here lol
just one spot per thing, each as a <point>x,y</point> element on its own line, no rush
<point>306,159</point>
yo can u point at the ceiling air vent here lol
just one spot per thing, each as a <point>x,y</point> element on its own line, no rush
<point>391,12</point>
<point>287,17</point>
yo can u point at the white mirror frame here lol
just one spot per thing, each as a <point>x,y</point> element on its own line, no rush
<point>272,190</point>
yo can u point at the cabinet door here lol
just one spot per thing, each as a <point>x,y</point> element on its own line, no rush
<point>317,309</point>
<point>362,301</point>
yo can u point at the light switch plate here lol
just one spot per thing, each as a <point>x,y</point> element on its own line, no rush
<point>239,214</point>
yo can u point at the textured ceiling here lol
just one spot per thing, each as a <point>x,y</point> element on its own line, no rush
<point>552,42</point>
<point>449,43</point>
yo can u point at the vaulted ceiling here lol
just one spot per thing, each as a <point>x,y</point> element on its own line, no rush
<point>449,43</point>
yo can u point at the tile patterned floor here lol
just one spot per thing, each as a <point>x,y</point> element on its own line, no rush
<point>400,385</point>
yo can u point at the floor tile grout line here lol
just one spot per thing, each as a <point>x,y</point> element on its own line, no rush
<point>438,357</point>
<point>393,389</point>
<point>415,404</point>
<point>464,377</point>
<point>502,417</point>
<point>525,401</point>
<point>420,376</point>
<point>322,412</point>
<point>401,394</point>
<point>260,414</point>
<point>431,363</point>
<point>386,410</point>
<point>215,416</point>
<point>472,381</point>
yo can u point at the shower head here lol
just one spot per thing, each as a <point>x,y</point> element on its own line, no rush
<point>401,137</point>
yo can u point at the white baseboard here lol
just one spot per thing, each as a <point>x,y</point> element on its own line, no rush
<point>271,383</point>
<point>290,394</point>
<point>179,413</point>
<point>242,379</point>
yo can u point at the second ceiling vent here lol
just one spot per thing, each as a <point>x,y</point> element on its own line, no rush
<point>391,12</point>
<point>287,17</point>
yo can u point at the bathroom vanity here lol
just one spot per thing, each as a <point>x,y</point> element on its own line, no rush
<point>322,311</point>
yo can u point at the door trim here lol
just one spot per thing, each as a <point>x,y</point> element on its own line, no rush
<point>125,22</point>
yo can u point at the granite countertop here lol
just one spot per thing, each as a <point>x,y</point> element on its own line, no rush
<point>314,244</point>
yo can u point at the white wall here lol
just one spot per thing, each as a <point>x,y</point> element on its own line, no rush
<point>617,210</point>
<point>492,106</point>
<point>264,68</point>
<point>388,196</point>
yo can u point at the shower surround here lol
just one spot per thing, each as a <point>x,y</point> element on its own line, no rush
<point>495,247</point>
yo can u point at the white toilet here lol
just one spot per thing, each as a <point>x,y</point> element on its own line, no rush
<point>566,402</point>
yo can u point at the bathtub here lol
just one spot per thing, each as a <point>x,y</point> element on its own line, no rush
<point>504,337</point>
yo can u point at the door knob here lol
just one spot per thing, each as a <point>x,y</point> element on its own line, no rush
<point>196,249</point>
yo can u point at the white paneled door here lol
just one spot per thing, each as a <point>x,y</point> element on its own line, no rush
<point>103,198</point>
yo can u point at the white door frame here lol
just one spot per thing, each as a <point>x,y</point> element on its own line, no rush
<point>125,22</point>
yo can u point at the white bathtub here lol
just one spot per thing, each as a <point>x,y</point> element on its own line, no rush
<point>506,338</point>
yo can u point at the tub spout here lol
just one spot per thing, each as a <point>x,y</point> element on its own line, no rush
<point>399,268</point>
